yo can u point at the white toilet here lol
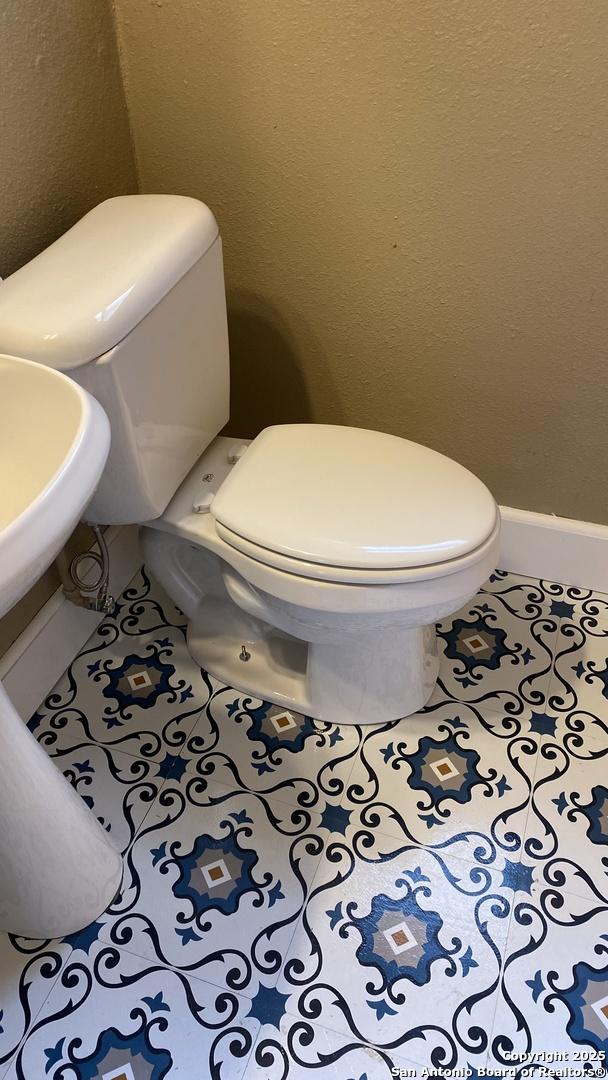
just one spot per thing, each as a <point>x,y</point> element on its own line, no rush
<point>311,563</point>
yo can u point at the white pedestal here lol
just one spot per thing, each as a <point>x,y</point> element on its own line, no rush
<point>59,870</point>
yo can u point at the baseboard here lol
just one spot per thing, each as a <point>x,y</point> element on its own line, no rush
<point>554,548</point>
<point>40,655</point>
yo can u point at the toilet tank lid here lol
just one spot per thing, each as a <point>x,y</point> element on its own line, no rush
<point>88,290</point>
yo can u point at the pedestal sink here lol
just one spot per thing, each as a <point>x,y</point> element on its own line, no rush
<point>58,869</point>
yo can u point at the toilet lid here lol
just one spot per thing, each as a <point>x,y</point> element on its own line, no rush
<point>348,497</point>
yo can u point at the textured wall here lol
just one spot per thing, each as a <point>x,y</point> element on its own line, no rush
<point>413,198</point>
<point>65,141</point>
<point>64,146</point>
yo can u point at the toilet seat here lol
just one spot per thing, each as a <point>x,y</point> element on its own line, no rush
<point>345,575</point>
<point>353,506</point>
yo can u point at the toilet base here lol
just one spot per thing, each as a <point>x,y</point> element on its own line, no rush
<point>371,679</point>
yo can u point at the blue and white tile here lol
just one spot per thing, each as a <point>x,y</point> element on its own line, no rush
<point>586,608</point>
<point>243,741</point>
<point>525,597</point>
<point>215,882</point>
<point>112,1015</point>
<point>28,971</point>
<point>452,777</point>
<point>532,597</point>
<point>554,986</point>
<point>580,677</point>
<point>297,1049</point>
<point>567,829</point>
<point>582,735</point>
<point>138,691</point>
<point>401,949</point>
<point>579,734</point>
<point>353,906</point>
<point>497,652</point>
<point>118,789</point>
<point>145,608</point>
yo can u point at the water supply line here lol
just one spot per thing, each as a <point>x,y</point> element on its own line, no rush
<point>78,586</point>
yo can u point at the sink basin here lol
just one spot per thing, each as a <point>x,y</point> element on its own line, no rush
<point>54,441</point>
<point>59,869</point>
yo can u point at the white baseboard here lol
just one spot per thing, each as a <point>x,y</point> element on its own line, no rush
<point>554,548</point>
<point>56,634</point>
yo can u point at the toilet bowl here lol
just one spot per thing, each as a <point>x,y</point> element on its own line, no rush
<point>311,563</point>
<point>346,643</point>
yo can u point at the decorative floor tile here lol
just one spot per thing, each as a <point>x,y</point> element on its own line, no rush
<point>118,788</point>
<point>567,828</point>
<point>496,652</point>
<point>28,970</point>
<point>265,748</point>
<point>584,607</point>
<point>302,899</point>
<point>401,950</point>
<point>299,1049</point>
<point>139,692</point>
<point>580,677</point>
<point>215,882</point>
<point>554,987</point>
<point>453,777</point>
<point>145,608</point>
<point>527,598</point>
<point>580,734</point>
<point>113,1016</point>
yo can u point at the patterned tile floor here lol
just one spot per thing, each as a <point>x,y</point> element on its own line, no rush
<point>302,900</point>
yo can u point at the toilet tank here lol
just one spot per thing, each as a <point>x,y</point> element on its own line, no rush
<point>130,303</point>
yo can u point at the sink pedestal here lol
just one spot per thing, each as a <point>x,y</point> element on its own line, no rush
<point>58,868</point>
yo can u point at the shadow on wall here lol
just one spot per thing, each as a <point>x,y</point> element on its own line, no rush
<point>267,369</point>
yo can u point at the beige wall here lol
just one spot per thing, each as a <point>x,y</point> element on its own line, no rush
<point>413,199</point>
<point>64,146</point>
<point>65,141</point>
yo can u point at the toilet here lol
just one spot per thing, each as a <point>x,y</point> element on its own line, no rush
<point>312,562</point>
